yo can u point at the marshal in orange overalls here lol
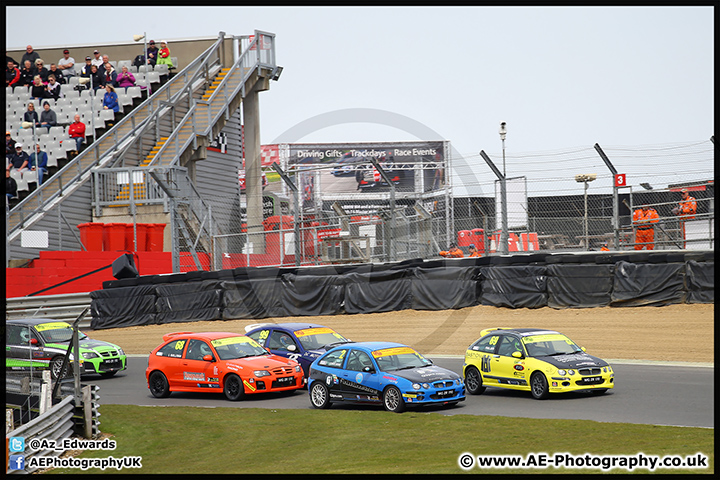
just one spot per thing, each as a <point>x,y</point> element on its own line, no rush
<point>643,218</point>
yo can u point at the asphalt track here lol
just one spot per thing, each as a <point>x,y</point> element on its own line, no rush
<point>655,394</point>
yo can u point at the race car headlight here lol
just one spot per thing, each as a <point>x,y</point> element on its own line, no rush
<point>298,368</point>
<point>416,386</point>
<point>571,372</point>
<point>426,385</point>
<point>261,373</point>
<point>561,372</point>
<point>90,355</point>
<point>120,351</point>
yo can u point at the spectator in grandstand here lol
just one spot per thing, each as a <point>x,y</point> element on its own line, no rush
<point>109,74</point>
<point>152,53</point>
<point>19,161</point>
<point>643,218</point>
<point>164,55</point>
<point>38,163</point>
<point>473,251</point>
<point>53,87</point>
<point>41,70</point>
<point>96,78</point>
<point>125,78</point>
<point>38,90</point>
<point>27,74</point>
<point>48,118</point>
<point>110,100</point>
<point>85,70</point>
<point>67,64</point>
<point>10,185</point>
<point>31,115</point>
<point>12,75</point>
<point>11,59</point>
<point>54,70</point>
<point>9,146</point>
<point>452,252</point>
<point>29,54</point>
<point>77,132</point>
<point>97,60</point>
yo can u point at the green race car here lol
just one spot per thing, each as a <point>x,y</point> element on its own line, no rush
<point>42,343</point>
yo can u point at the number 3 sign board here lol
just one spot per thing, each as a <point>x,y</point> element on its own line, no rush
<point>620,180</point>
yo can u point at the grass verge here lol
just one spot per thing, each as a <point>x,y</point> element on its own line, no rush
<point>177,440</point>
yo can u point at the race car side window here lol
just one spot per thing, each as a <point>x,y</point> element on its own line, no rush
<point>280,341</point>
<point>197,349</point>
<point>173,349</point>
<point>14,335</point>
<point>509,345</point>
<point>333,359</point>
<point>358,360</point>
<point>486,344</point>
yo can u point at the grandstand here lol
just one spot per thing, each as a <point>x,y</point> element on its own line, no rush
<point>165,125</point>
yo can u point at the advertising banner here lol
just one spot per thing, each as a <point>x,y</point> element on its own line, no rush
<point>340,168</point>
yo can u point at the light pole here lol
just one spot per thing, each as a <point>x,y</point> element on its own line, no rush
<point>503,197</point>
<point>143,37</point>
<point>586,178</point>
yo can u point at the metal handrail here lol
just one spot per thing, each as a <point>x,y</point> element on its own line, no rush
<point>223,86</point>
<point>37,198</point>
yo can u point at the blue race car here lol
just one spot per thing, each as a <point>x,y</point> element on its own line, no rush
<point>302,342</point>
<point>387,373</point>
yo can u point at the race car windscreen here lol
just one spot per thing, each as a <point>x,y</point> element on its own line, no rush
<point>314,338</point>
<point>57,332</point>
<point>549,344</point>
<point>399,358</point>
<point>231,348</point>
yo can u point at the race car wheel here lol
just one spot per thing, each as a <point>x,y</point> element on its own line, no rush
<point>393,401</point>
<point>473,381</point>
<point>539,386</point>
<point>56,365</point>
<point>233,388</point>
<point>319,396</point>
<point>159,387</point>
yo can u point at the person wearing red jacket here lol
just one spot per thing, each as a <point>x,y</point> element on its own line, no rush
<point>643,218</point>
<point>77,132</point>
<point>12,74</point>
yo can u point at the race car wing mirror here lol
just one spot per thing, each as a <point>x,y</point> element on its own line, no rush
<point>368,370</point>
<point>33,341</point>
<point>291,348</point>
<point>517,354</point>
<point>208,358</point>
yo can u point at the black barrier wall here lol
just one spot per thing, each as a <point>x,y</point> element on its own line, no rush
<point>560,281</point>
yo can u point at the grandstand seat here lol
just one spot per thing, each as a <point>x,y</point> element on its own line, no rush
<point>21,184</point>
<point>132,69</point>
<point>30,176</point>
<point>71,94</point>
<point>153,77</point>
<point>123,63</point>
<point>144,68</point>
<point>56,132</point>
<point>134,92</point>
<point>162,69</point>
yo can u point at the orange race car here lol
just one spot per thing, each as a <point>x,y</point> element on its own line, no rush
<point>214,361</point>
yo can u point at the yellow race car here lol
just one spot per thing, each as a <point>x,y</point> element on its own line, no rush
<point>535,360</point>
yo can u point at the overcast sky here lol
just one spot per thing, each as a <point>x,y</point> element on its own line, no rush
<point>560,77</point>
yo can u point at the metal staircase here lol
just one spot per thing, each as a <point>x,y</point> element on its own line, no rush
<point>167,129</point>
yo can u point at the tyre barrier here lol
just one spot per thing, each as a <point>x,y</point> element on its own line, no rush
<point>518,281</point>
